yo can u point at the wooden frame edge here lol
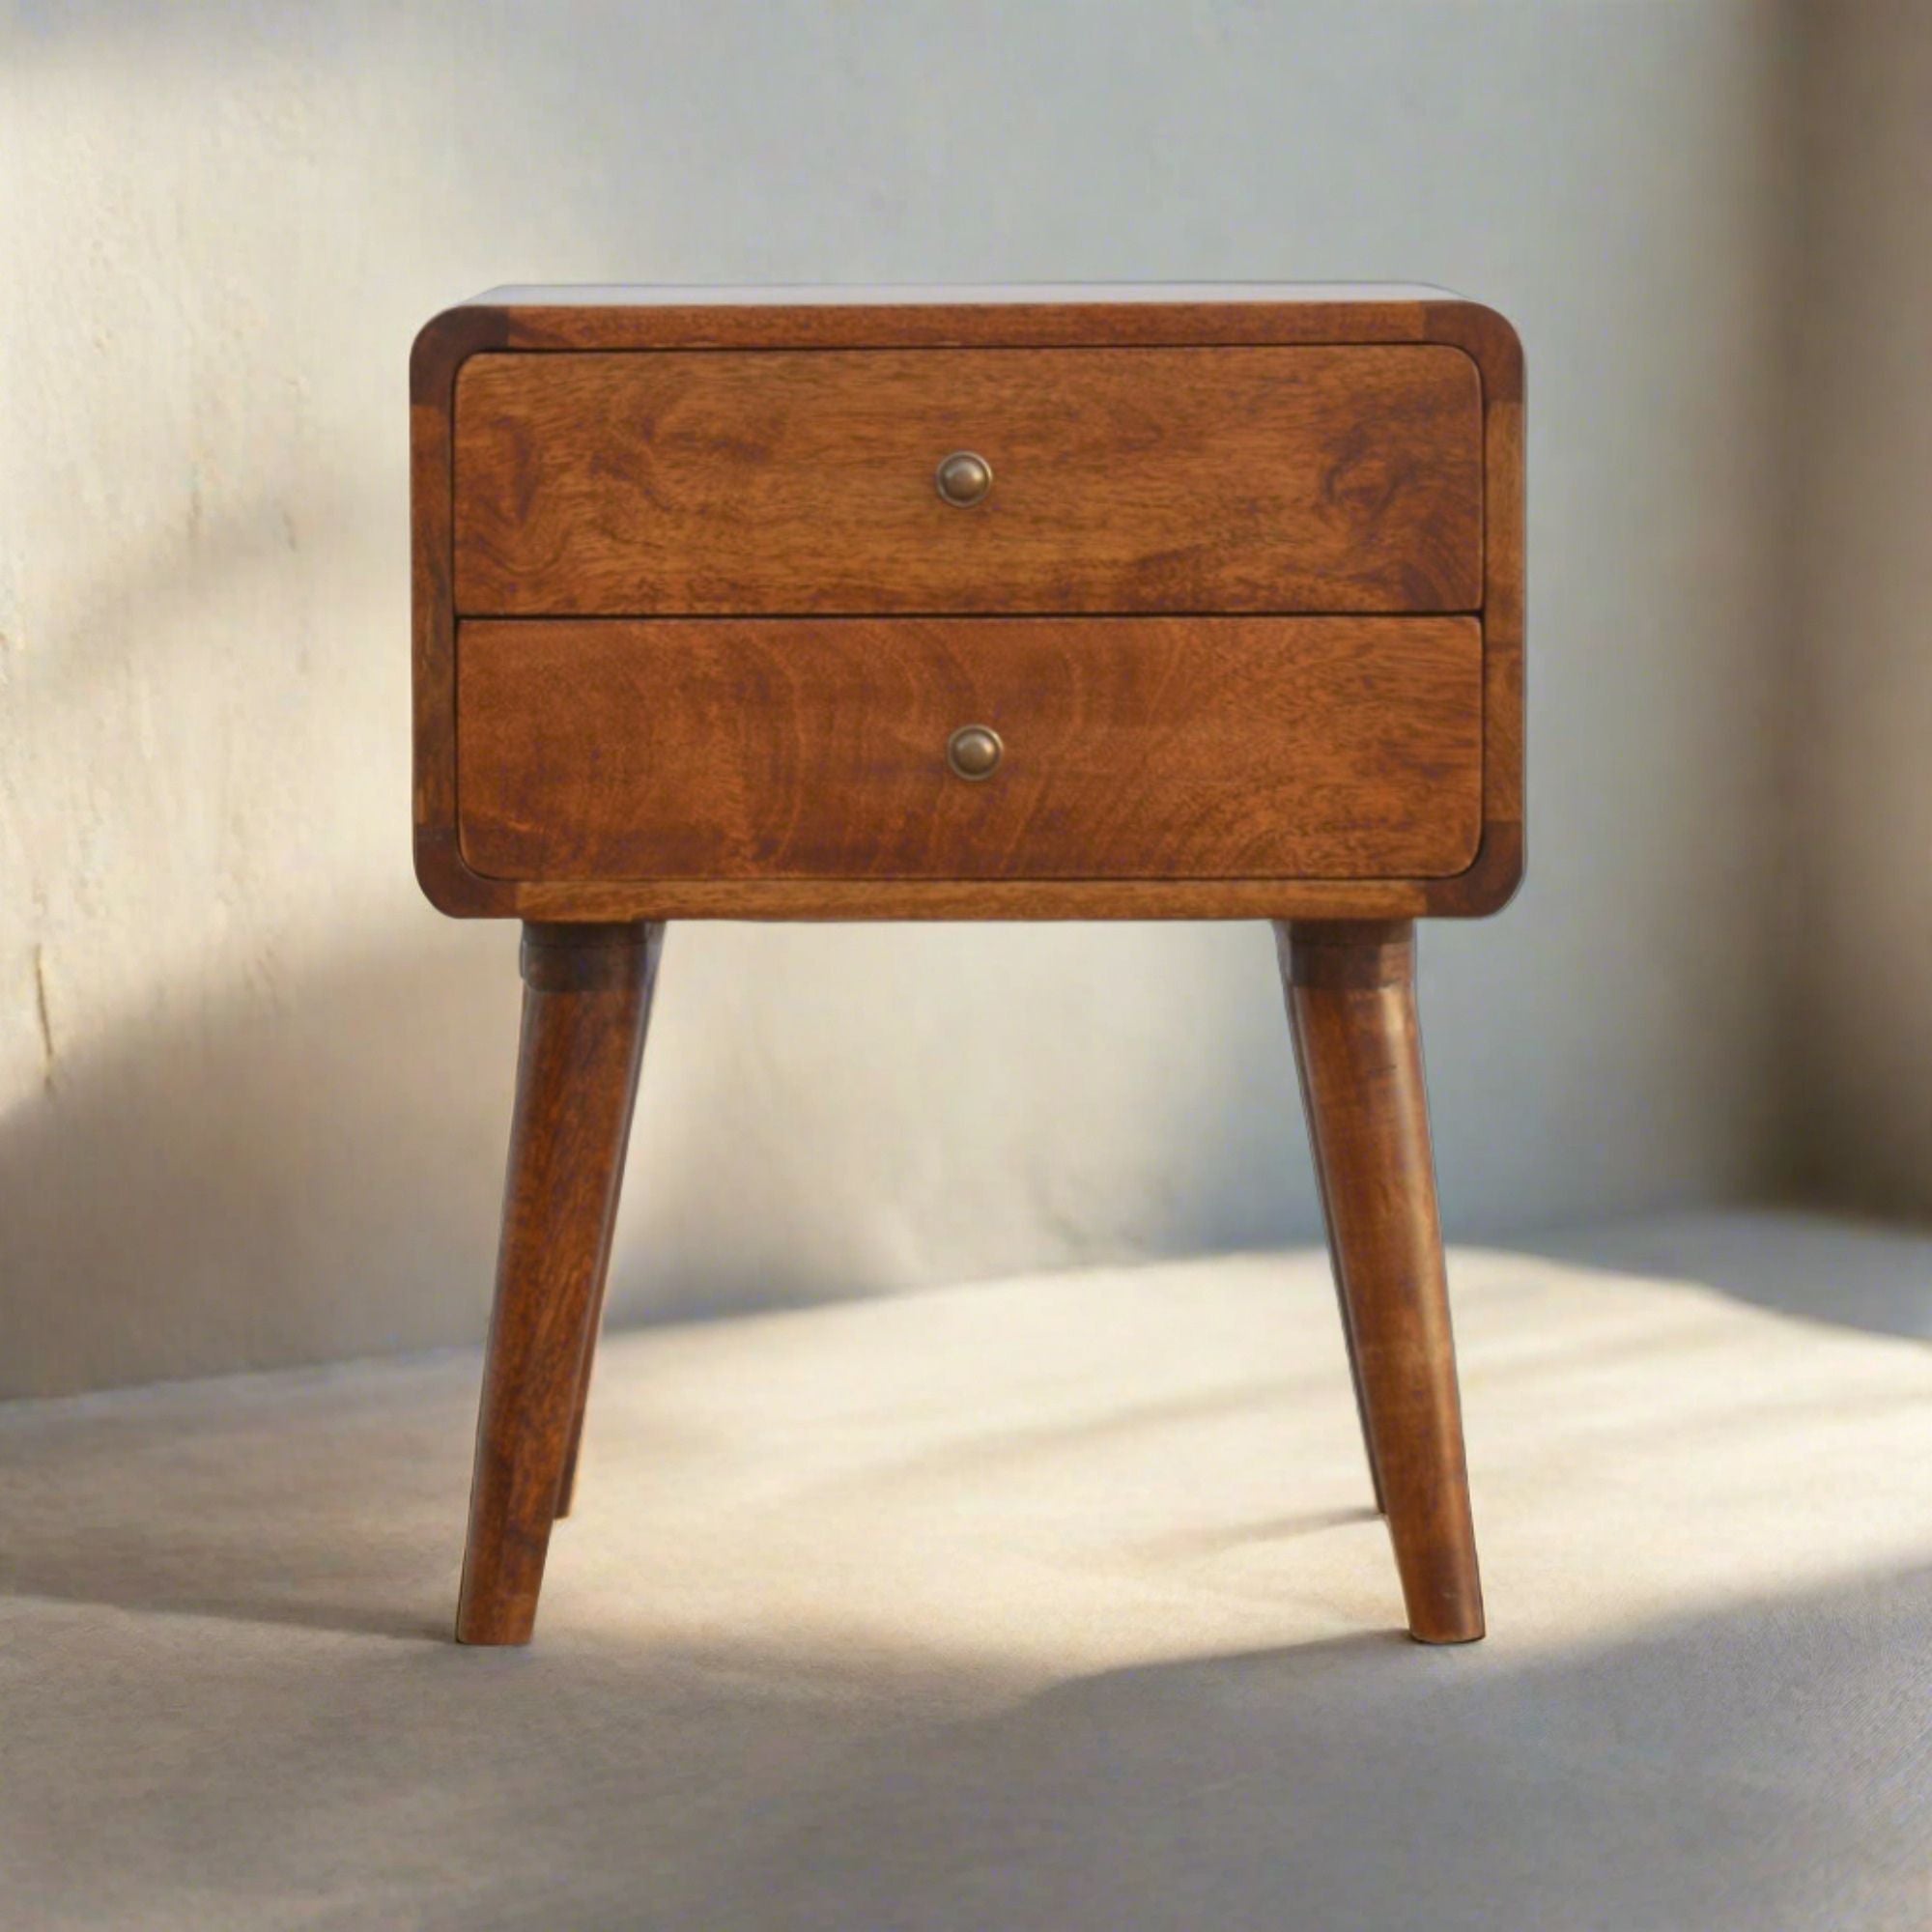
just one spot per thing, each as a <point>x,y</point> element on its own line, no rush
<point>1491,341</point>
<point>441,346</point>
<point>446,341</point>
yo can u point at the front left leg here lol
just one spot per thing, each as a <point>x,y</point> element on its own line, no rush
<point>585,1001</point>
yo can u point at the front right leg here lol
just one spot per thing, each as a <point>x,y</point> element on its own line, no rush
<point>1351,1002</point>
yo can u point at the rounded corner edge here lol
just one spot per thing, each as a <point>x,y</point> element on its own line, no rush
<point>1487,337</point>
<point>448,884</point>
<point>446,341</point>
<point>1490,883</point>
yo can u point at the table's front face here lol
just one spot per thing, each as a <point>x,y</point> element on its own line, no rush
<point>983,622</point>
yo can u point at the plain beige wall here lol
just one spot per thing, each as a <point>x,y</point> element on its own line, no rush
<point>1861,934</point>
<point>253,1092</point>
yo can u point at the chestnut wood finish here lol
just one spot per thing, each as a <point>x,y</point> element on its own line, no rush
<point>550,325</point>
<point>802,480</point>
<point>1156,748</point>
<point>653,944</point>
<point>586,1002</point>
<point>694,630</point>
<point>1351,1006</point>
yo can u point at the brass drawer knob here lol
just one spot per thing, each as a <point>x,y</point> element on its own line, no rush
<point>974,752</point>
<point>964,479</point>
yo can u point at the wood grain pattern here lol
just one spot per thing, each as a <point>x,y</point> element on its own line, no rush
<point>585,1001</point>
<point>1352,318</point>
<point>1237,480</point>
<point>653,936</point>
<point>525,319</point>
<point>1491,344</point>
<point>1351,1006</point>
<point>944,899</point>
<point>1163,748</point>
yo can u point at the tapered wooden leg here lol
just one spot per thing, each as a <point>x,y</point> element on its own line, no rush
<point>567,1486</point>
<point>585,1001</point>
<point>1284,950</point>
<point>1351,1005</point>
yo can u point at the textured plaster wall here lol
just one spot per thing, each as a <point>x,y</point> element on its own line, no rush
<point>253,1091</point>
<point>1861,868</point>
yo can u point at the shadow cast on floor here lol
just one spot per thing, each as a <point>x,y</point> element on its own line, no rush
<point>1747,1769</point>
<point>1052,1691</point>
<point>1872,1276</point>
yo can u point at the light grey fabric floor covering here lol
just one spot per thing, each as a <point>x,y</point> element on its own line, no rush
<point>1042,1604</point>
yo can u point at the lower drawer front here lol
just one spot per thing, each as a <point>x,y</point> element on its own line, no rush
<point>1313,747</point>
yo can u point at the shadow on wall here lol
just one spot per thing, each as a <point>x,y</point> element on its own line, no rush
<point>263,1176</point>
<point>307,1168</point>
<point>1855,1275</point>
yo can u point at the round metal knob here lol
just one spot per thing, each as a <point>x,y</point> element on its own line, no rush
<point>974,750</point>
<point>964,479</point>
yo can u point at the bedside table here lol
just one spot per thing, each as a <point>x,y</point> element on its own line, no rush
<point>1085,603</point>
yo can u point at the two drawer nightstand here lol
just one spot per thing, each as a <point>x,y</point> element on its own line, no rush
<point>1176,603</point>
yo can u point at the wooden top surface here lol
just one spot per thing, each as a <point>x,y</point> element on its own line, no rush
<point>834,295</point>
<point>1003,315</point>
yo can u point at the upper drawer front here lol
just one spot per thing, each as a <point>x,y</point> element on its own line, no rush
<point>779,481</point>
<point>1153,748</point>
